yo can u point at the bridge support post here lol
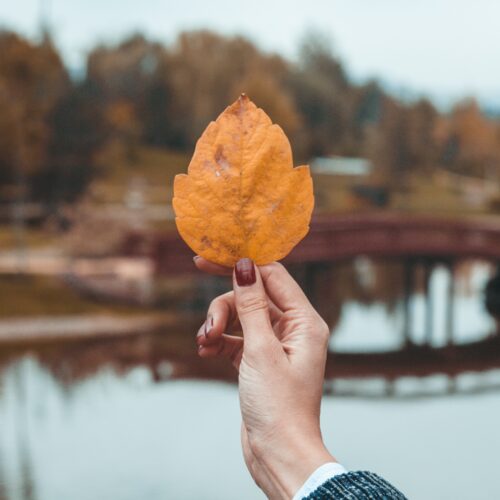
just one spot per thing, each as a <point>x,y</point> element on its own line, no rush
<point>320,290</point>
<point>390,387</point>
<point>408,288</point>
<point>450,304</point>
<point>429,308</point>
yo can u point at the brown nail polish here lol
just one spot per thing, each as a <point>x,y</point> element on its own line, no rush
<point>209,323</point>
<point>245,272</point>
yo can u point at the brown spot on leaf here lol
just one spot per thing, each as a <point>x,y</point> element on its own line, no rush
<point>205,242</point>
<point>220,159</point>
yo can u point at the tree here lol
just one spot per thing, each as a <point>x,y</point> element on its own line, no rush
<point>32,79</point>
<point>325,100</point>
<point>124,77</point>
<point>469,142</point>
<point>206,72</point>
<point>78,131</point>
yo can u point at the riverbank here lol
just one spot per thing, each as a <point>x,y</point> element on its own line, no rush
<point>79,327</point>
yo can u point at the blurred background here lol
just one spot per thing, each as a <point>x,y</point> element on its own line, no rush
<point>396,107</point>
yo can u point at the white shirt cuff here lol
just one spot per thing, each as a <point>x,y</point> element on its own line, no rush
<point>318,477</point>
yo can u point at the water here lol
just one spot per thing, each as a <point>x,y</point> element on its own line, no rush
<point>121,438</point>
<point>121,435</point>
<point>375,327</point>
<point>126,438</point>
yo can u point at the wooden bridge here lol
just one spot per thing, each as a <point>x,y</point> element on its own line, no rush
<point>339,237</point>
<point>414,240</point>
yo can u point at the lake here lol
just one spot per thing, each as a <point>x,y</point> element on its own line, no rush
<point>124,431</point>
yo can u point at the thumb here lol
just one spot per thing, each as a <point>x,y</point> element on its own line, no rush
<point>251,303</point>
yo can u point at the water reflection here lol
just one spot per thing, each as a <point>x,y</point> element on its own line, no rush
<point>124,437</point>
<point>70,411</point>
<point>114,437</point>
<point>363,302</point>
<point>380,310</point>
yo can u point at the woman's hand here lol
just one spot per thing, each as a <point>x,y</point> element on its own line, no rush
<point>281,361</point>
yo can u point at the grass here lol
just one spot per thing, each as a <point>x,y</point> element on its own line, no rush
<point>152,168</point>
<point>32,238</point>
<point>31,296</point>
<point>155,168</point>
<point>150,171</point>
<point>423,195</point>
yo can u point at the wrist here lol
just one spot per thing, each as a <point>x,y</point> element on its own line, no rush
<point>291,460</point>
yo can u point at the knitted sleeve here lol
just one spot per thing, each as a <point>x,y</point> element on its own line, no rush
<point>356,486</point>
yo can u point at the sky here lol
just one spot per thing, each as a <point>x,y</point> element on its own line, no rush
<point>444,49</point>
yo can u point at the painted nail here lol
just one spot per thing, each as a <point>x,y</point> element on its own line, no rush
<point>245,272</point>
<point>209,323</point>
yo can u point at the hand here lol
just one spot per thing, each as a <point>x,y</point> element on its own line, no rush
<point>281,361</point>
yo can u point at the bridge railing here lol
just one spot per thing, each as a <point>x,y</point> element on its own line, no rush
<point>339,237</point>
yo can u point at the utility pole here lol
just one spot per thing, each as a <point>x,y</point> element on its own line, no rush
<point>44,14</point>
<point>18,207</point>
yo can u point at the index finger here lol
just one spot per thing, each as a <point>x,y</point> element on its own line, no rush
<point>211,268</point>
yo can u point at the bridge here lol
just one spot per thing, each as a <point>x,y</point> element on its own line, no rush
<point>339,237</point>
<point>416,241</point>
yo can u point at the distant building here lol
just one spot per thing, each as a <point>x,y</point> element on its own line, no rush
<point>341,165</point>
<point>349,184</point>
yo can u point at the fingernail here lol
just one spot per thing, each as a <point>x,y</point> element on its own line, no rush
<point>209,323</point>
<point>200,347</point>
<point>196,257</point>
<point>245,272</point>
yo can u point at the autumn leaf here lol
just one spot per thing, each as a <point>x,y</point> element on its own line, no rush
<point>241,196</point>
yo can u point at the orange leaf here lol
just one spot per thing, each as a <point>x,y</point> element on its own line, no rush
<point>241,196</point>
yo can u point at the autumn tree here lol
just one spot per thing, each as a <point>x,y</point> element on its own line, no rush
<point>206,71</point>
<point>469,142</point>
<point>139,92</point>
<point>402,140</point>
<point>124,77</point>
<point>78,131</point>
<point>324,100</point>
<point>32,79</point>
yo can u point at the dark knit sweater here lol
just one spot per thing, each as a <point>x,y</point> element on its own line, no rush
<point>356,486</point>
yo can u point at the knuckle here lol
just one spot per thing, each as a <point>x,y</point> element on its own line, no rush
<point>321,329</point>
<point>221,298</point>
<point>220,302</point>
<point>248,305</point>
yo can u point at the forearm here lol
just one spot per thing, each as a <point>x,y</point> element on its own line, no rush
<point>289,463</point>
<point>300,466</point>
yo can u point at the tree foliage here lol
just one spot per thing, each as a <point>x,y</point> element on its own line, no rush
<point>142,92</point>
